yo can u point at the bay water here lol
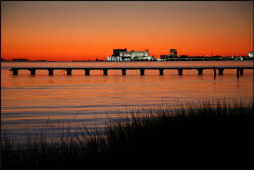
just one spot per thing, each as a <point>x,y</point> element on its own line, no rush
<point>31,103</point>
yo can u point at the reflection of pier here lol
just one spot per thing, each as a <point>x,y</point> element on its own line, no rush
<point>239,70</point>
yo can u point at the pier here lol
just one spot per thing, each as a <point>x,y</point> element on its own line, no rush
<point>219,69</point>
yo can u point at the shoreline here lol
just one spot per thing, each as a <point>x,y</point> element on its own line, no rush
<point>186,135</point>
<point>170,60</point>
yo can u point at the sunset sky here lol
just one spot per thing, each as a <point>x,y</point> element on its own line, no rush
<point>86,30</point>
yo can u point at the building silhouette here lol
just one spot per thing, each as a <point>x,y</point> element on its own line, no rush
<point>116,52</point>
<point>173,53</point>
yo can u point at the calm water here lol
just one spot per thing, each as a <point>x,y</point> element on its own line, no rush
<point>29,102</point>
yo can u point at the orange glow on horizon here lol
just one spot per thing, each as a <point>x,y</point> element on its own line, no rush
<point>66,31</point>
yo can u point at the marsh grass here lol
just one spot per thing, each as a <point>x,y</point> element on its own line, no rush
<point>205,135</point>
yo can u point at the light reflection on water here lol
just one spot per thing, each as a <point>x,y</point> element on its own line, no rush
<point>33,100</point>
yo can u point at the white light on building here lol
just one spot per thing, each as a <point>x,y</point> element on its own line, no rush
<point>131,56</point>
<point>251,54</point>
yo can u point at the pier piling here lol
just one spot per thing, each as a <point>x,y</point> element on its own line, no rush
<point>123,71</point>
<point>15,71</point>
<point>32,71</point>
<point>142,72</point>
<point>87,72</point>
<point>241,71</point>
<point>105,72</point>
<point>161,71</point>
<point>214,72</point>
<point>221,71</point>
<point>68,71</point>
<point>180,71</point>
<point>200,71</point>
<point>51,70</point>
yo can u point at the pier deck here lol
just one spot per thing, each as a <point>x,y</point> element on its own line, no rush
<point>239,70</point>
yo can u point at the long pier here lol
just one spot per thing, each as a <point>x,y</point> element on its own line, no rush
<point>220,69</point>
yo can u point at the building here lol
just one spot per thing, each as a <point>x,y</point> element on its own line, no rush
<point>251,54</point>
<point>184,56</point>
<point>116,52</point>
<point>164,56</point>
<point>173,53</point>
<point>124,55</point>
<point>135,55</point>
<point>114,58</point>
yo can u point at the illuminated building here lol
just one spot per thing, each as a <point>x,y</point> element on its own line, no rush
<point>251,54</point>
<point>124,55</point>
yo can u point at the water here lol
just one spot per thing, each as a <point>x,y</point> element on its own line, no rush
<point>30,102</point>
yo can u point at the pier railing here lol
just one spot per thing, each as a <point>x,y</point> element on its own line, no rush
<point>220,69</point>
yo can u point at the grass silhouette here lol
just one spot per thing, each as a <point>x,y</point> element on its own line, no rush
<point>196,136</point>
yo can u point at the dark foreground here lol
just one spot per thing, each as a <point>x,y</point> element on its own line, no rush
<point>197,136</point>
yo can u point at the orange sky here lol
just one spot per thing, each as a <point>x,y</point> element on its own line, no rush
<point>88,30</point>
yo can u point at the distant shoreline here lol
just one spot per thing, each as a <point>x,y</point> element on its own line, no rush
<point>250,59</point>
